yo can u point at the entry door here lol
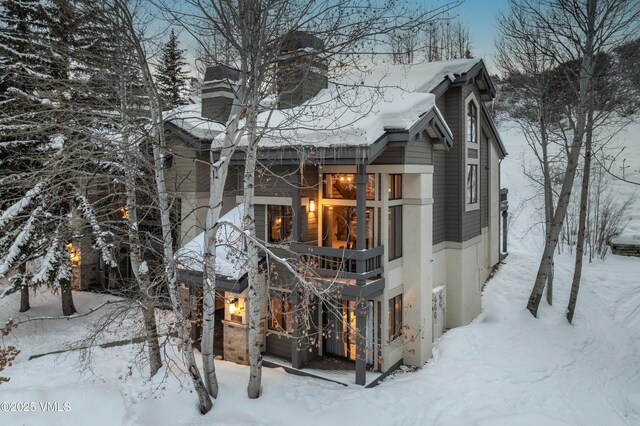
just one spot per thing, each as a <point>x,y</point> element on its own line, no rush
<point>339,325</point>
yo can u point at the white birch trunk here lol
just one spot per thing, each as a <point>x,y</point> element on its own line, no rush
<point>586,76</point>
<point>130,154</point>
<point>249,228</point>
<point>582,222</point>
<point>159,152</point>
<point>218,177</point>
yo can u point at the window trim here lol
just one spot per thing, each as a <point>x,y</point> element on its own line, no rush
<point>468,207</point>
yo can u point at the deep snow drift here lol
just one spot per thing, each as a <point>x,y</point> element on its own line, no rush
<point>506,368</point>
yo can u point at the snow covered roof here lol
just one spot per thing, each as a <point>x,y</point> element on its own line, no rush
<point>189,119</point>
<point>355,110</point>
<point>230,260</point>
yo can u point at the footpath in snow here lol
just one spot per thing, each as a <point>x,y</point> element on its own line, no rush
<point>506,368</point>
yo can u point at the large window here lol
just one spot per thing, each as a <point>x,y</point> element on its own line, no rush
<point>395,317</point>
<point>394,247</point>
<point>472,154</point>
<point>280,313</point>
<point>280,223</point>
<point>343,186</point>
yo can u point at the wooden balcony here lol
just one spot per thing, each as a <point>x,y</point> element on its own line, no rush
<point>363,267</point>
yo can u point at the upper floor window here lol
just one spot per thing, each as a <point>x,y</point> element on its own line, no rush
<point>395,187</point>
<point>472,122</point>
<point>472,154</point>
<point>280,223</point>
<point>343,185</point>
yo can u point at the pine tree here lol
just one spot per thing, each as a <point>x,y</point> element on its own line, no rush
<point>46,151</point>
<point>170,77</point>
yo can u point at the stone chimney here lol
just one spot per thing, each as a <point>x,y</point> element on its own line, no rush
<point>302,70</point>
<point>217,92</point>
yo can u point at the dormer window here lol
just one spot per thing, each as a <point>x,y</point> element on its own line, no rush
<point>472,154</point>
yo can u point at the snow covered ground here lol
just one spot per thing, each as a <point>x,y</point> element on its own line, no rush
<point>506,368</point>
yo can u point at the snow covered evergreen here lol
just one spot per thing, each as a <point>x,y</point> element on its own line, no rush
<point>170,75</point>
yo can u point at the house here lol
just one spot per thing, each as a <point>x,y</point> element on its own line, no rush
<point>397,203</point>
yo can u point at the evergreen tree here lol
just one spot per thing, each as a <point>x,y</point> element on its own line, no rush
<point>46,151</point>
<point>170,77</point>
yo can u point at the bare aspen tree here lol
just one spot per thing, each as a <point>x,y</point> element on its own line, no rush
<point>527,84</point>
<point>122,12</point>
<point>572,30</point>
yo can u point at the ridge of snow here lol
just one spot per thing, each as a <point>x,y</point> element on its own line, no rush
<point>355,110</point>
<point>229,248</point>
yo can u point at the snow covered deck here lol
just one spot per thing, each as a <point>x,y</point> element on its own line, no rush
<point>338,371</point>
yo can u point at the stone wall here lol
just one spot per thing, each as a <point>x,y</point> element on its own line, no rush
<point>236,339</point>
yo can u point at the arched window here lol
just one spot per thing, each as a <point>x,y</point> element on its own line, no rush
<point>472,154</point>
<point>472,122</point>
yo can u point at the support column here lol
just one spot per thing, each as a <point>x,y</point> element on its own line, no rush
<point>417,274</point>
<point>296,210</point>
<point>361,244</point>
<point>361,354</point>
<point>296,351</point>
<point>504,231</point>
<point>296,231</point>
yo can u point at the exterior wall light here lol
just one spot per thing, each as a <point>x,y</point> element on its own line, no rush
<point>312,206</point>
<point>233,306</point>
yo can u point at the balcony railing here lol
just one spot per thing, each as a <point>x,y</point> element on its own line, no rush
<point>342,263</point>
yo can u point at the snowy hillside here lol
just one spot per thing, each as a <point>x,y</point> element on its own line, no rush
<point>506,368</point>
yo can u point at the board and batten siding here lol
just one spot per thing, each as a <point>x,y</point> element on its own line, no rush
<point>484,178</point>
<point>439,196</point>
<point>454,159</point>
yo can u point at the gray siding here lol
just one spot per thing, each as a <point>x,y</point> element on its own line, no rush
<point>273,182</point>
<point>202,172</point>
<point>310,188</point>
<point>439,184</point>
<point>391,155</point>
<point>181,176</point>
<point>484,180</point>
<point>419,151</point>
<point>260,211</point>
<point>454,159</point>
<point>439,196</point>
<point>278,345</point>
<point>217,109</point>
